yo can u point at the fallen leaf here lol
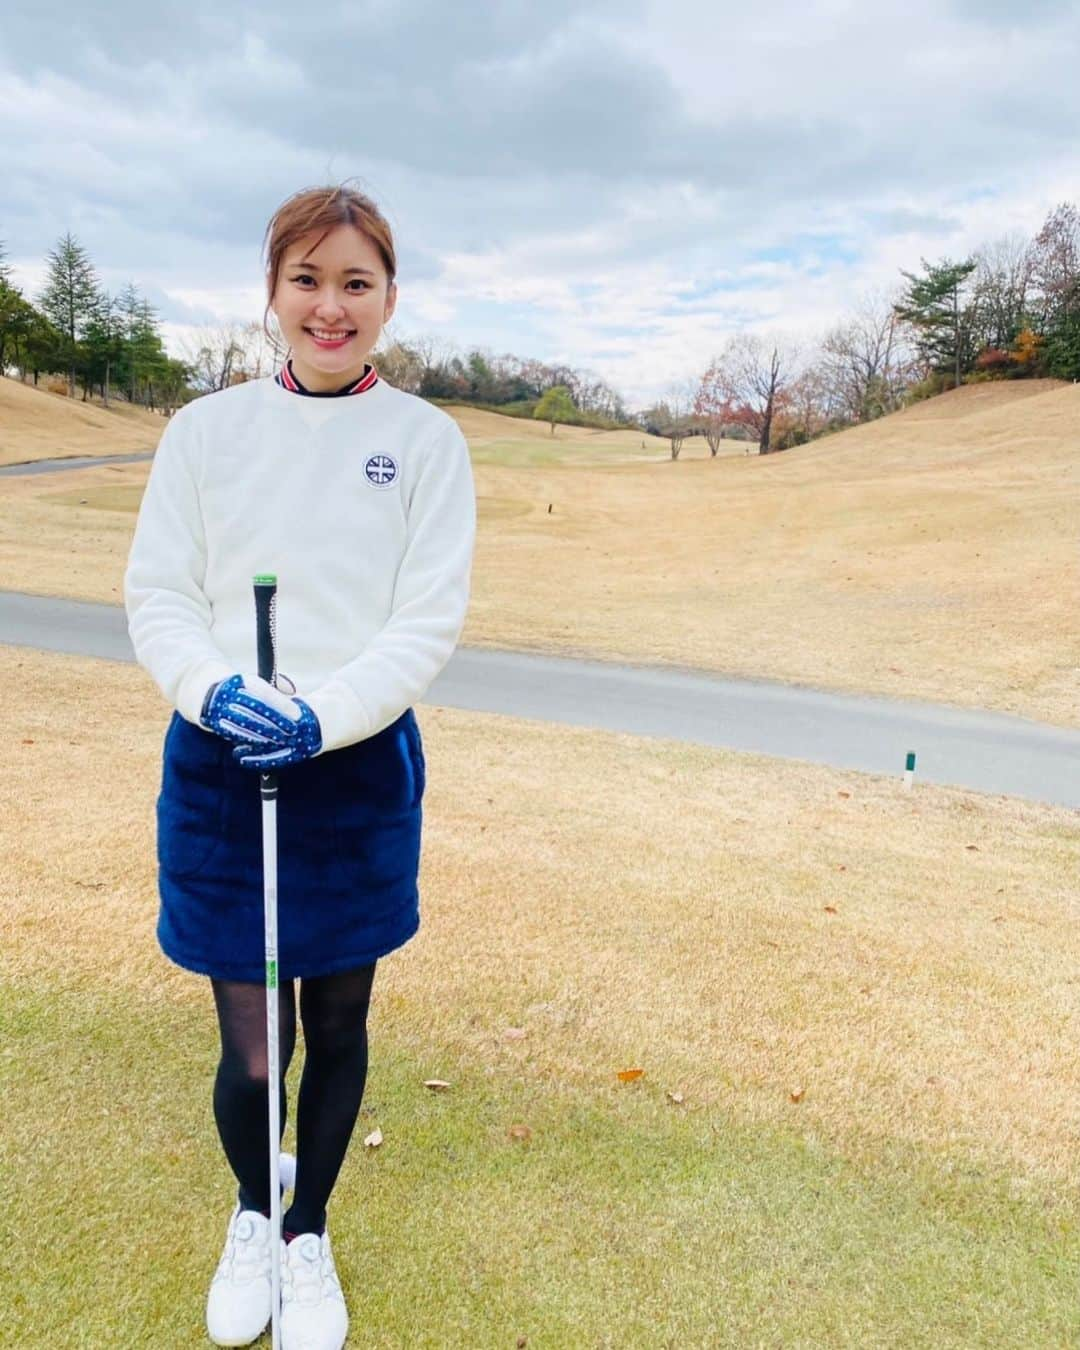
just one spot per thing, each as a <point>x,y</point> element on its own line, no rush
<point>374,1139</point>
<point>830,909</point>
<point>675,1097</point>
<point>520,1132</point>
<point>843,794</point>
<point>514,1034</point>
<point>796,1094</point>
<point>436,1084</point>
<point>972,848</point>
<point>628,1075</point>
<point>841,867</point>
<point>25,742</point>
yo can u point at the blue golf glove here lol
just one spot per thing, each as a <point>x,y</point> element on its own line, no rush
<point>306,742</point>
<point>269,729</point>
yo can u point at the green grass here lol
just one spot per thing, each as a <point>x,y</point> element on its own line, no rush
<point>624,1221</point>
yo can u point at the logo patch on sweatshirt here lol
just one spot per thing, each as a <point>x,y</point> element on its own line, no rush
<point>381,471</point>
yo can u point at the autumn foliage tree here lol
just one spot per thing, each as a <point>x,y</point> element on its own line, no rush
<point>749,381</point>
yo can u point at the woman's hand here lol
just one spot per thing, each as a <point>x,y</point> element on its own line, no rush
<point>269,729</point>
<point>306,742</point>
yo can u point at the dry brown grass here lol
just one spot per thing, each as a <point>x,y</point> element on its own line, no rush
<point>738,927</point>
<point>42,424</point>
<point>929,555</point>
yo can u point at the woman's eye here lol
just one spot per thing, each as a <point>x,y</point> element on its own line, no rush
<point>357,282</point>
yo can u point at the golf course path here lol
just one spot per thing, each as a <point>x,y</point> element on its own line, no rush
<point>990,752</point>
<point>74,462</point>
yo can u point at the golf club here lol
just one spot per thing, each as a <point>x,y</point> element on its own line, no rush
<point>265,630</point>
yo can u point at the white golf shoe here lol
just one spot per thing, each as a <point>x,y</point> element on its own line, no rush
<point>313,1315</point>
<point>238,1305</point>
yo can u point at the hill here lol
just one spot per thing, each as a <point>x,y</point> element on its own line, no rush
<point>929,555</point>
<point>37,424</point>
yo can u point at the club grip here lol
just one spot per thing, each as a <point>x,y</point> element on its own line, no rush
<point>265,626</point>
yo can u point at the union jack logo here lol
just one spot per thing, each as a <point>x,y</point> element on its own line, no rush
<point>381,471</point>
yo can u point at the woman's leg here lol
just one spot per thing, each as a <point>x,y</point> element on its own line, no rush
<point>240,1089</point>
<point>333,1010</point>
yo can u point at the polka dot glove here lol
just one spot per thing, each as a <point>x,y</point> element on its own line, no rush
<point>306,743</point>
<point>270,729</point>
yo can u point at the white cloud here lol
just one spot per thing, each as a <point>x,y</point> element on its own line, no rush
<point>618,186</point>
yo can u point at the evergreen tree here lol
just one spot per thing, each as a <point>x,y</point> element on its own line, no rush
<point>934,306</point>
<point>70,300</point>
<point>104,343</point>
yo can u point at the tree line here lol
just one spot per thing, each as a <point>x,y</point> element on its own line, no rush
<point>1009,311</point>
<point>75,327</point>
<point>109,344</point>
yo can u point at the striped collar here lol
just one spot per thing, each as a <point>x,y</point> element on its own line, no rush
<point>286,377</point>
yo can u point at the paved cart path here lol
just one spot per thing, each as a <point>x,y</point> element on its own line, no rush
<point>990,752</point>
<point>75,462</point>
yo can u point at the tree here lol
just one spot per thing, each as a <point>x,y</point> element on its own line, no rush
<point>1062,352</point>
<point>752,377</point>
<point>864,362</point>
<point>215,356</point>
<point>104,342</point>
<point>70,299</point>
<point>1055,266</point>
<point>556,405</point>
<point>934,306</point>
<point>712,407</point>
<point>1000,289</point>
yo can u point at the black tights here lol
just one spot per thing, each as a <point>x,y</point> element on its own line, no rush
<point>333,1011</point>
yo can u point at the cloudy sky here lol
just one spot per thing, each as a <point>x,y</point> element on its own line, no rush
<point>617,185</point>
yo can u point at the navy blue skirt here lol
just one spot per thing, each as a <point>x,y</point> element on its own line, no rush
<point>348,845</point>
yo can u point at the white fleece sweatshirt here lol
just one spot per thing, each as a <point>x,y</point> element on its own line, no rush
<point>363,506</point>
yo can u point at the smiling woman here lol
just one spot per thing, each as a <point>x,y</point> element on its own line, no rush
<point>359,498</point>
<point>330,274</point>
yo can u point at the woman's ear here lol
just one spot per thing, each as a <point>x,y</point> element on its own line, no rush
<point>391,302</point>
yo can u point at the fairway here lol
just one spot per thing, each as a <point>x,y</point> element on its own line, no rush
<point>929,555</point>
<point>866,1000</point>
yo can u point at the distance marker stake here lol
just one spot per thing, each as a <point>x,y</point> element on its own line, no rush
<point>909,770</point>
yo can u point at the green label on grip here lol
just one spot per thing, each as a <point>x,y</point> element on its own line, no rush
<point>271,974</point>
<point>266,579</point>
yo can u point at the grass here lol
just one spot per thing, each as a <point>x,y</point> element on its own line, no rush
<point>622,1221</point>
<point>930,555</point>
<point>867,999</point>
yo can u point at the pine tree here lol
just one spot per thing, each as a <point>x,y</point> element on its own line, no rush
<point>932,305</point>
<point>70,299</point>
<point>104,339</point>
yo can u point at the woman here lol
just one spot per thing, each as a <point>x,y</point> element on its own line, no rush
<point>360,498</point>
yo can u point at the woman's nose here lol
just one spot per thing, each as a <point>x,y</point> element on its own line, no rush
<point>329,303</point>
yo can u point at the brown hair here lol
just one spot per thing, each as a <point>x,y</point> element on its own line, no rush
<point>323,208</point>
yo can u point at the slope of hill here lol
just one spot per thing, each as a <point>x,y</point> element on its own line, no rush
<point>36,424</point>
<point>929,555</point>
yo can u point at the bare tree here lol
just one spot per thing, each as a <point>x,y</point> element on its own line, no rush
<point>216,357</point>
<point>1002,283</point>
<point>258,355</point>
<point>680,406</point>
<point>713,409</point>
<point>864,360</point>
<point>1055,264</point>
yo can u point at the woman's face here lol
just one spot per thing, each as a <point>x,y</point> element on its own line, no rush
<point>331,300</point>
